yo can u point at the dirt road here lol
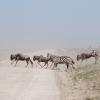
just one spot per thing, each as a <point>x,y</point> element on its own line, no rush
<point>20,83</point>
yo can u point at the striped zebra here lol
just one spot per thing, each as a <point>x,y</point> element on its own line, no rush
<point>60,60</point>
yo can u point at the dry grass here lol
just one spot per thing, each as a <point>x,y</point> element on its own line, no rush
<point>88,98</point>
<point>92,98</point>
<point>90,75</point>
<point>89,72</point>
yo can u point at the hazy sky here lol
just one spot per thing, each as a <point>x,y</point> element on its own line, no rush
<point>49,23</point>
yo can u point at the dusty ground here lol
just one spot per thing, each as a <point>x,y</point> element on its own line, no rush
<point>20,83</point>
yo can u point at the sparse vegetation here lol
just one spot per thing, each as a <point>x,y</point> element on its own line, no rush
<point>90,75</point>
<point>89,98</point>
<point>92,98</point>
<point>90,72</point>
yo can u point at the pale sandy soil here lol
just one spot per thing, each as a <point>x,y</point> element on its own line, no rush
<point>20,83</point>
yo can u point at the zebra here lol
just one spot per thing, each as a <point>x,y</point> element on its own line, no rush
<point>41,59</point>
<point>20,57</point>
<point>60,60</point>
<point>85,56</point>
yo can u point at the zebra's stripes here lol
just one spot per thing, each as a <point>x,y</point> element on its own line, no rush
<point>60,60</point>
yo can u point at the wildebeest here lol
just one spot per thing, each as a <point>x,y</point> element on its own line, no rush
<point>60,60</point>
<point>20,57</point>
<point>85,56</point>
<point>41,59</point>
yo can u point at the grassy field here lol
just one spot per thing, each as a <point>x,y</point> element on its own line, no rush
<point>90,76</point>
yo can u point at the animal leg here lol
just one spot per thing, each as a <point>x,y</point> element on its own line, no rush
<point>73,66</point>
<point>55,65</point>
<point>51,64</point>
<point>82,61</point>
<point>67,65</point>
<point>46,64</point>
<point>16,63</point>
<point>31,62</point>
<point>12,62</point>
<point>43,65</point>
<point>27,63</point>
<point>96,59</point>
<point>40,64</point>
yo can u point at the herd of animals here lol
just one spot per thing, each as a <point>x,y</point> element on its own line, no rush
<point>54,59</point>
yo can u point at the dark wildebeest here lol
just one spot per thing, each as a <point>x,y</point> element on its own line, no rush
<point>20,57</point>
<point>85,56</point>
<point>60,60</point>
<point>41,59</point>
